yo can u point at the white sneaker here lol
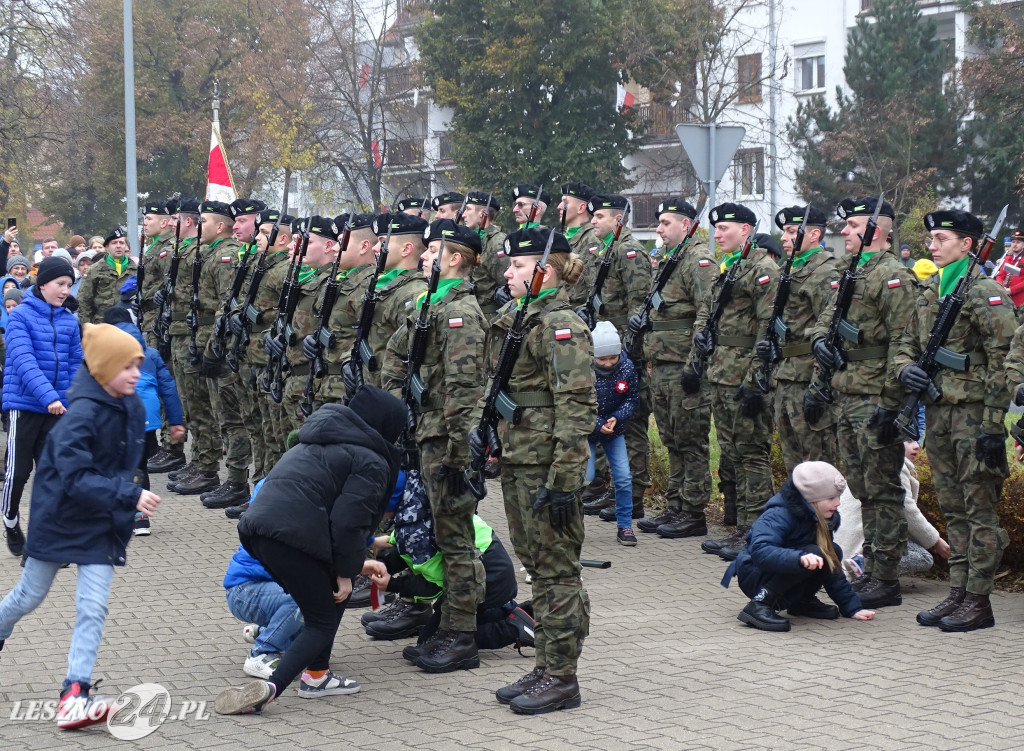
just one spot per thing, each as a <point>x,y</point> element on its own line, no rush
<point>250,632</point>
<point>261,666</point>
<point>329,685</point>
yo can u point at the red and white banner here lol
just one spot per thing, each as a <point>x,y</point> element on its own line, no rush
<point>219,185</point>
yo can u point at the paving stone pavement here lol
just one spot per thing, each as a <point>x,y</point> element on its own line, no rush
<point>667,665</point>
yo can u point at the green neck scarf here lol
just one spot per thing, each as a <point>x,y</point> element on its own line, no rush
<point>119,264</point>
<point>805,256</point>
<point>444,286</point>
<point>950,274</point>
<point>215,243</point>
<point>306,273</point>
<point>387,277</point>
<point>866,256</point>
<point>247,249</point>
<point>731,258</point>
<point>529,225</point>
<point>571,232</point>
<point>151,246</point>
<point>542,293</point>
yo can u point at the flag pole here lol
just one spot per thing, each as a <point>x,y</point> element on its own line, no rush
<point>131,178</point>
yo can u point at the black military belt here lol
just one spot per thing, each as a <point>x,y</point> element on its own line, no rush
<point>868,353</point>
<point>618,321</point>
<point>178,316</point>
<point>532,398</point>
<point>301,369</point>
<point>737,341</point>
<point>796,350</point>
<point>674,324</point>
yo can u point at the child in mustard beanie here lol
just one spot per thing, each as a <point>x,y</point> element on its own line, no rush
<point>83,507</point>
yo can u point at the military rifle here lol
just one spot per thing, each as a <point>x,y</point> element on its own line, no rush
<point>935,354</point>
<point>221,331</point>
<point>592,307</point>
<point>462,209</point>
<point>413,389</point>
<point>839,327</point>
<point>487,213</point>
<point>282,328</point>
<point>248,315</point>
<point>777,328</point>
<point>193,306</point>
<point>361,354</point>
<point>164,314</point>
<point>498,404</point>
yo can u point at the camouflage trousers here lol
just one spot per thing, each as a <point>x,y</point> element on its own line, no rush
<point>684,421</point>
<point>801,441</point>
<point>464,579</point>
<point>238,424</point>
<point>199,406</point>
<point>968,491</point>
<point>746,444</point>
<point>873,471</point>
<point>332,389</point>
<point>561,606</point>
<point>272,442</point>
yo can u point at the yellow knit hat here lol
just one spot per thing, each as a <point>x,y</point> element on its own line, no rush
<point>108,350</point>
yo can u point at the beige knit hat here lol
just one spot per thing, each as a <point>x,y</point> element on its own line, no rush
<point>108,350</point>
<point>818,481</point>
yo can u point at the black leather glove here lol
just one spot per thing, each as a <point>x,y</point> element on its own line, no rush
<point>160,298</point>
<point>502,296</point>
<point>814,408</point>
<point>1018,398</point>
<point>310,347</point>
<point>824,355</point>
<point>883,421</point>
<point>636,324</point>
<point>273,345</point>
<point>703,342</point>
<point>562,507</point>
<point>211,368</point>
<point>191,320</point>
<point>765,350</point>
<point>482,444</point>
<point>753,401</point>
<point>351,376</point>
<point>235,325</point>
<point>588,319</point>
<point>691,381</point>
<point>990,449</point>
<point>453,479</point>
<point>915,379</point>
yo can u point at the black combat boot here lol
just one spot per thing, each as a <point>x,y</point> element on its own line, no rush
<point>731,551</point>
<point>946,607</point>
<point>507,693</point>
<point>973,613</point>
<point>235,512</point>
<point>597,488</point>
<point>685,524</point>
<point>713,546</point>
<point>880,593</point>
<point>196,483</point>
<point>729,504</point>
<point>226,495</point>
<point>593,508</point>
<point>860,582</point>
<point>400,626</point>
<point>177,474</point>
<point>166,460</point>
<point>762,613</point>
<point>414,651</point>
<point>398,607</point>
<point>609,514</point>
<point>652,524</point>
<point>361,588</point>
<point>812,607</point>
<point>453,650</point>
<point>548,694</point>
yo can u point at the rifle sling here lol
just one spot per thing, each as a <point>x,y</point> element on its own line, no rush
<point>674,324</point>
<point>797,350</point>
<point>746,342</point>
<point>203,320</point>
<point>534,399</point>
<point>868,353</point>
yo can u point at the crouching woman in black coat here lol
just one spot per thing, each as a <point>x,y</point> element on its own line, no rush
<point>790,554</point>
<point>316,514</point>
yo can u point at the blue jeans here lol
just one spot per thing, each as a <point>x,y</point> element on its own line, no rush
<point>269,606</point>
<point>615,450</point>
<point>90,606</point>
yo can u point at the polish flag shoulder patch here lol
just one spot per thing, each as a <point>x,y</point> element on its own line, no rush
<point>834,284</point>
<point>500,252</point>
<point>703,262</point>
<point>563,334</point>
<point>225,259</point>
<point>163,254</point>
<point>764,279</point>
<point>621,386</point>
<point>893,283</point>
<point>630,254</point>
<point>995,301</point>
<point>592,249</point>
<point>455,323</point>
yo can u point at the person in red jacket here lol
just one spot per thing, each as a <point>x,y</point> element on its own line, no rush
<point>1011,268</point>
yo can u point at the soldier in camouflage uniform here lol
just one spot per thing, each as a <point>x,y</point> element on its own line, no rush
<point>966,439</point>
<point>524,196</point>
<point>742,418</point>
<point>101,289</point>
<point>447,205</point>
<point>815,273</point>
<point>684,420</point>
<point>413,206</point>
<point>489,275</point>
<point>868,397</point>
<point>448,406</point>
<point>575,207</point>
<point>624,290</point>
<point>544,460</point>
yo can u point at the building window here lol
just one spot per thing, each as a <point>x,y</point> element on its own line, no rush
<point>748,172</point>
<point>748,78</point>
<point>810,73</point>
<point>866,5</point>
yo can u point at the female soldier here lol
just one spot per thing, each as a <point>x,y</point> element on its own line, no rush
<point>966,440</point>
<point>444,410</point>
<point>544,458</point>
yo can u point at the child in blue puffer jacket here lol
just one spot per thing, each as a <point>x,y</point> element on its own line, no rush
<point>618,391</point>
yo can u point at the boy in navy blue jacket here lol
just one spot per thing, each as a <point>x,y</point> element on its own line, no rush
<point>617,394</point>
<point>83,507</point>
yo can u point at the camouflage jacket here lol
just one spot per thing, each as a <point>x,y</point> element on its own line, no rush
<point>101,289</point>
<point>628,282</point>
<point>585,244</point>
<point>983,331</point>
<point>397,298</point>
<point>307,313</point>
<point>883,301</point>
<point>182,297</point>
<point>220,259</point>
<point>671,334</point>
<point>556,364</point>
<point>345,316</point>
<point>157,257</point>
<point>489,275</point>
<point>450,370</point>
<point>808,296</point>
<point>268,295</point>
<point>734,361</point>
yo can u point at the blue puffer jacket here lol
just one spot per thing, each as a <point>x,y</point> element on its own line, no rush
<point>617,394</point>
<point>156,385</point>
<point>44,351</point>
<point>83,497</point>
<point>783,532</point>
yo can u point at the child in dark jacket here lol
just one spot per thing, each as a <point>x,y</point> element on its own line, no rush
<point>617,394</point>
<point>790,554</point>
<point>83,507</point>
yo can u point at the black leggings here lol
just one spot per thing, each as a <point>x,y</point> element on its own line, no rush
<point>311,585</point>
<point>26,437</point>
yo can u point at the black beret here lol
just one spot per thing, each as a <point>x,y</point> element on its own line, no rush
<point>676,205</point>
<point>1018,234</point>
<point>480,198</point>
<point>245,207</point>
<point>172,206</point>
<point>114,234</point>
<point>355,221</point>
<point>795,215</point>
<point>731,212</point>
<point>413,203</point>
<point>581,191</point>
<point>300,223</point>
<point>446,198</point>
<point>451,232</point>
<point>863,206</point>
<point>188,205</point>
<point>769,243</point>
<point>160,208</point>
<point>530,191</point>
<point>269,216</point>
<point>323,226</point>
<point>613,201</point>
<point>956,220</point>
<point>400,224</point>
<point>215,207</point>
<point>532,241</point>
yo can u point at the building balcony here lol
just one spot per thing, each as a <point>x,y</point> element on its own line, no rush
<point>659,121</point>
<point>409,11</point>
<point>404,152</point>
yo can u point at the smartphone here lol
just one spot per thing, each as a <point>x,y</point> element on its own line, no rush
<point>11,222</point>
